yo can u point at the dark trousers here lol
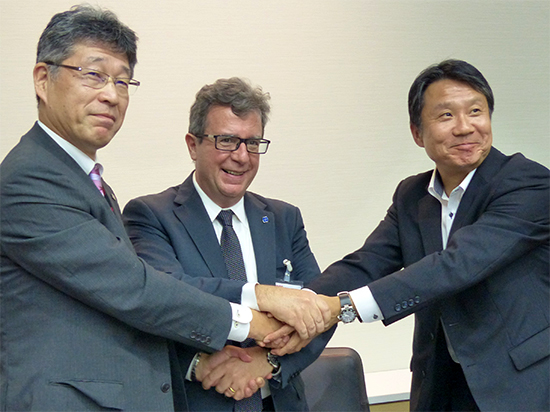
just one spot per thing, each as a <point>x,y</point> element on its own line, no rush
<point>451,391</point>
<point>268,405</point>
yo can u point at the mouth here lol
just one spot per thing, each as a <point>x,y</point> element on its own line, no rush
<point>465,146</point>
<point>105,117</point>
<point>233,173</point>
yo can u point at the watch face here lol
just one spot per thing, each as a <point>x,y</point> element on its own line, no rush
<point>348,315</point>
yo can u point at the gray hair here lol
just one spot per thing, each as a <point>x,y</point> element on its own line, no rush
<point>235,93</point>
<point>85,24</point>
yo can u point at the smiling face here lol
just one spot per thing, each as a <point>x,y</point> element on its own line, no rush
<point>86,117</point>
<point>456,129</point>
<point>225,176</point>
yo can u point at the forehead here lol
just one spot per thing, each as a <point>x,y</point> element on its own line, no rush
<point>222,120</point>
<point>448,92</point>
<point>99,53</point>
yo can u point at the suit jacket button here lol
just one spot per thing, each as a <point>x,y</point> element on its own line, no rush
<point>208,340</point>
<point>404,304</point>
<point>411,302</point>
<point>165,387</point>
<point>397,307</point>
<point>193,335</point>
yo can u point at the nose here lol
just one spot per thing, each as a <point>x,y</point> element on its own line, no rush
<point>109,92</point>
<point>463,125</point>
<point>241,154</point>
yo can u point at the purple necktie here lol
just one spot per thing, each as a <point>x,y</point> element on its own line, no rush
<point>96,178</point>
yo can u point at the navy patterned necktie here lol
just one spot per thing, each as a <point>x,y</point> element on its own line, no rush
<point>231,248</point>
<point>233,256</point>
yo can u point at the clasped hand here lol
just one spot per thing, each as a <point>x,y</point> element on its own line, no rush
<point>302,313</point>
<point>289,320</point>
<point>244,370</point>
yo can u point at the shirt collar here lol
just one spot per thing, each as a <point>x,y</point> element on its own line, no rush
<point>78,155</point>
<point>213,209</point>
<point>436,189</point>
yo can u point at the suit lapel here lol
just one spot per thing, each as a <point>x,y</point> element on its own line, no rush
<point>262,230</point>
<point>429,221</point>
<point>118,227</point>
<point>190,211</point>
<point>66,165</point>
<point>111,199</point>
<point>477,192</point>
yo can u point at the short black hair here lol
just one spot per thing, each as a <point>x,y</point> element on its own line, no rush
<point>458,70</point>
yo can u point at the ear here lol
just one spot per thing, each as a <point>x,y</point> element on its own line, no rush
<point>191,145</point>
<point>41,76</point>
<point>417,135</point>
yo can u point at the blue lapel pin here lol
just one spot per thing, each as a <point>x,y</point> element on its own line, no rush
<point>265,219</point>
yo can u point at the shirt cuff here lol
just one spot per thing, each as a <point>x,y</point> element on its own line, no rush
<point>240,326</point>
<point>366,306</point>
<point>248,296</point>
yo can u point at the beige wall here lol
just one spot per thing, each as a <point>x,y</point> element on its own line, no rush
<point>338,72</point>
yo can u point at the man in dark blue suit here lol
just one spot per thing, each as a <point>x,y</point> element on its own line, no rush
<point>177,231</point>
<point>464,247</point>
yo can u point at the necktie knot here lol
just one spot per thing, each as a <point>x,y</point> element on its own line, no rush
<point>96,178</point>
<point>225,217</point>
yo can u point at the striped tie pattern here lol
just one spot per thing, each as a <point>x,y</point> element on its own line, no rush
<point>96,178</point>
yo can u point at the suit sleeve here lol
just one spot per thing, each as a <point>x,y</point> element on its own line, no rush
<point>51,228</point>
<point>152,243</point>
<point>505,220</point>
<point>507,224</point>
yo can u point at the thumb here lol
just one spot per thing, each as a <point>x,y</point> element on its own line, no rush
<point>236,352</point>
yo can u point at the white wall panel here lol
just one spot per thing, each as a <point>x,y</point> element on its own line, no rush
<point>338,73</point>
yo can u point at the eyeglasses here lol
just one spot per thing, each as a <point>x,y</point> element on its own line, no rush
<point>230,143</point>
<point>98,80</point>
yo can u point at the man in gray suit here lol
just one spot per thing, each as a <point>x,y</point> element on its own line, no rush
<point>177,231</point>
<point>84,321</point>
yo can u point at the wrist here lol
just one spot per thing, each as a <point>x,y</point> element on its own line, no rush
<point>257,329</point>
<point>260,291</point>
<point>334,306</point>
<point>195,367</point>
<point>355,308</point>
<point>348,313</point>
<point>274,362</point>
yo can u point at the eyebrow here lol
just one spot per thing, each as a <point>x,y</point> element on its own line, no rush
<point>95,59</point>
<point>446,104</point>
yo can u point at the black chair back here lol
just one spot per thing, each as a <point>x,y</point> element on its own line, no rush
<point>336,382</point>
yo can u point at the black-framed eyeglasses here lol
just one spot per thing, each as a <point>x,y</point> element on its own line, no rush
<point>98,80</point>
<point>230,143</point>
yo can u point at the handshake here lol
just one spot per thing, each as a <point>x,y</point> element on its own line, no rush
<point>287,321</point>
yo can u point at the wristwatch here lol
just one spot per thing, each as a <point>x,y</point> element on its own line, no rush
<point>273,360</point>
<point>347,311</point>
